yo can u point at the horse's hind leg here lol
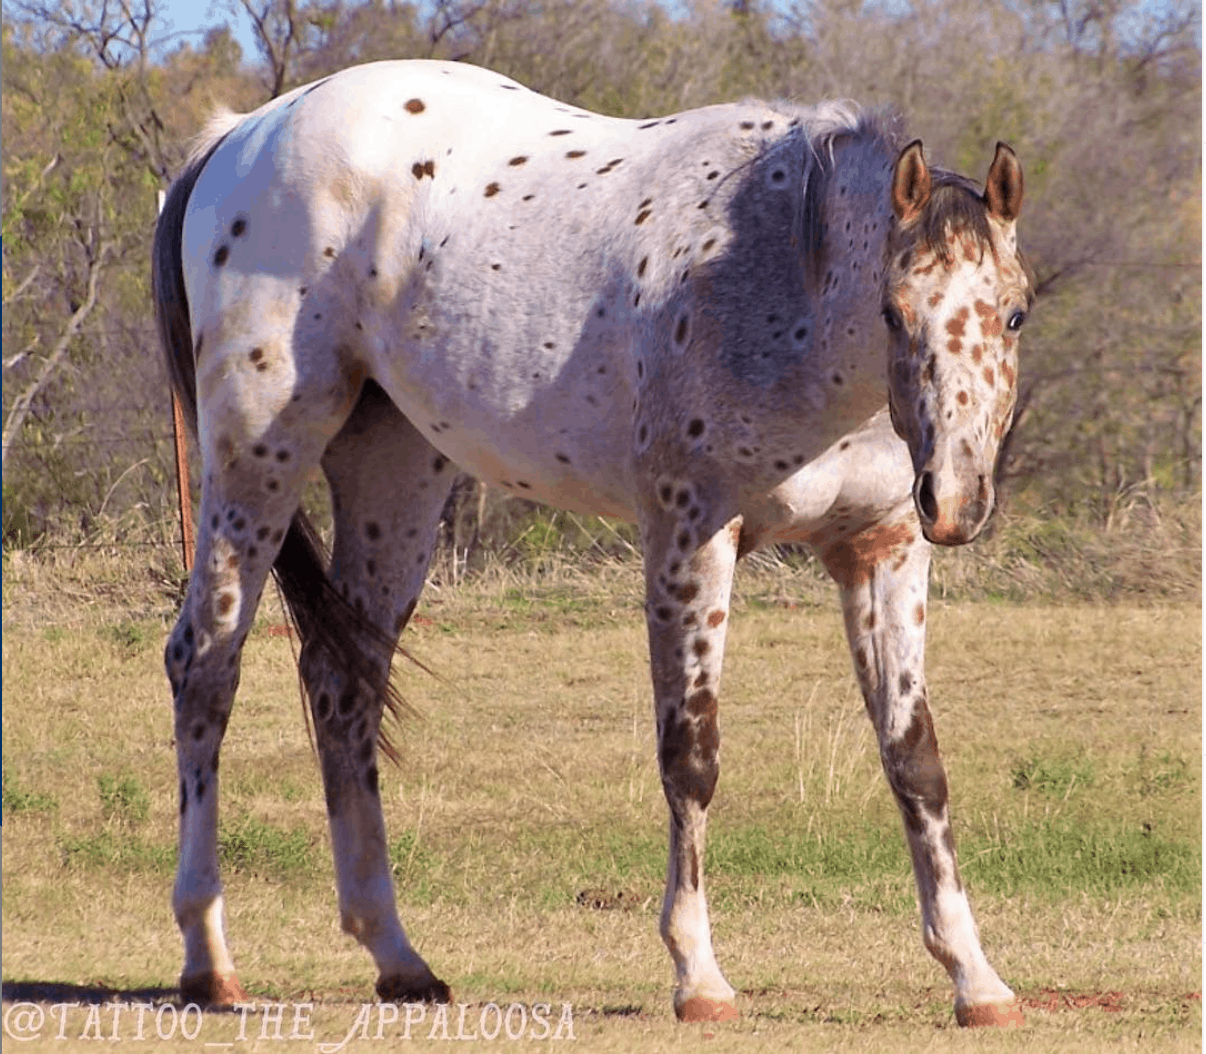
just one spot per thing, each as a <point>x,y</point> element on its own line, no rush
<point>261,431</point>
<point>388,486</point>
<point>883,573</point>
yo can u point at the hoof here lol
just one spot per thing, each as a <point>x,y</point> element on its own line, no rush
<point>985,1015</point>
<point>212,989</point>
<point>408,990</point>
<point>700,1008</point>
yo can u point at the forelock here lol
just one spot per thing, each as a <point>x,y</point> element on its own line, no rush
<point>956,205</point>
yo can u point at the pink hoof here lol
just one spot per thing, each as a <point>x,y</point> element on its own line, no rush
<point>212,989</point>
<point>699,1008</point>
<point>409,990</point>
<point>1009,1016</point>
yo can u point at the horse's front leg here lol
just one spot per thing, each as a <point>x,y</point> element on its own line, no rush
<point>883,573</point>
<point>689,575</point>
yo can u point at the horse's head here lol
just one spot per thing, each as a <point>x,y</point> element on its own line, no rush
<point>956,292</point>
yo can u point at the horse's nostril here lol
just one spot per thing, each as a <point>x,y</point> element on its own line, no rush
<point>927,504</point>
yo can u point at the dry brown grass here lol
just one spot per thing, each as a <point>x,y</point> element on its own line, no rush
<point>528,824</point>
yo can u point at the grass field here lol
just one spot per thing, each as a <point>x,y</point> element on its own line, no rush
<point>527,826</point>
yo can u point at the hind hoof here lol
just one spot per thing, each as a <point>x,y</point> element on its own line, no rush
<point>408,990</point>
<point>212,989</point>
<point>986,1015</point>
<point>700,1008</point>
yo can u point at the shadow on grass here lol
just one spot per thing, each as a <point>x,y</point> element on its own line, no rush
<point>86,994</point>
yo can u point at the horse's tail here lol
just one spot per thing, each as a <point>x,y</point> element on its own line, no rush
<point>167,271</point>
<point>319,613</point>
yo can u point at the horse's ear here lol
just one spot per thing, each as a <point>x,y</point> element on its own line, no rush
<point>1003,188</point>
<point>910,183</point>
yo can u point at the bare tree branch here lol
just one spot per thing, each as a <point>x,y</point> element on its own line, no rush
<point>21,355</point>
<point>25,284</point>
<point>276,26</point>
<point>24,402</point>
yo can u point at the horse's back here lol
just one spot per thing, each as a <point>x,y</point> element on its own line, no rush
<point>549,295</point>
<point>491,256</point>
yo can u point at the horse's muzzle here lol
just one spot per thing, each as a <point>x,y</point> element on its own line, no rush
<point>952,507</point>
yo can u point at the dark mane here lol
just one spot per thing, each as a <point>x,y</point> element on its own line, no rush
<point>881,129</point>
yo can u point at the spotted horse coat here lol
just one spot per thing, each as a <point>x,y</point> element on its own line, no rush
<point>682,322</point>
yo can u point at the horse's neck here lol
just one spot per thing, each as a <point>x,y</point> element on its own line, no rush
<point>857,219</point>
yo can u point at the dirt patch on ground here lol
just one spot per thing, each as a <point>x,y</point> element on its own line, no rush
<point>612,899</point>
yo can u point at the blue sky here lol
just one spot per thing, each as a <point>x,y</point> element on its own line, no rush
<point>195,16</point>
<point>199,15</point>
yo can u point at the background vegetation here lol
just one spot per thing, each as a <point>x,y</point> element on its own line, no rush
<point>1102,100</point>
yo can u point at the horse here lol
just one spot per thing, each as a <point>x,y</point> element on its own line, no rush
<point>736,326</point>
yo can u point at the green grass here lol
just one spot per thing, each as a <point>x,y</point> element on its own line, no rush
<point>17,800</point>
<point>527,827</point>
<point>251,847</point>
<point>123,799</point>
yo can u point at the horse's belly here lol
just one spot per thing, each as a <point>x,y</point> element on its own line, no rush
<point>542,449</point>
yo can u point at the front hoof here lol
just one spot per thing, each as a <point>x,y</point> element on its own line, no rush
<point>211,989</point>
<point>408,990</point>
<point>700,1008</point>
<point>987,1015</point>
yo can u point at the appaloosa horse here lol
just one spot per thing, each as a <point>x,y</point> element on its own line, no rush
<point>682,322</point>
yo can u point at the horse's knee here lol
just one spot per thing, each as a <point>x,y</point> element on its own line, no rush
<point>689,750</point>
<point>913,767</point>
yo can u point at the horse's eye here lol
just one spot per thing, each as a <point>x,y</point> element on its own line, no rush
<point>892,319</point>
<point>1016,320</point>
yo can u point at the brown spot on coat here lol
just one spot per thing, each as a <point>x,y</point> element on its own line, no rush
<point>914,770</point>
<point>414,106</point>
<point>715,618</point>
<point>492,189</point>
<point>702,704</point>
<point>687,754</point>
<point>852,561</point>
<point>688,592</point>
<point>956,324</point>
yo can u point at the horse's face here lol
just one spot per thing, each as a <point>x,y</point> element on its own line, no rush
<point>956,292</point>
